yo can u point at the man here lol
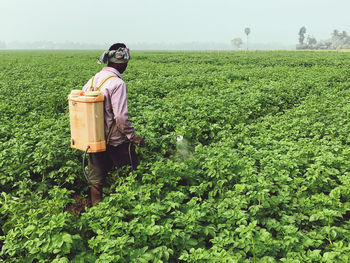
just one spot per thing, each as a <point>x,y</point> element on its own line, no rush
<point>118,130</point>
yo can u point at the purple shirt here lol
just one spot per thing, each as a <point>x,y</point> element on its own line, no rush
<point>115,105</point>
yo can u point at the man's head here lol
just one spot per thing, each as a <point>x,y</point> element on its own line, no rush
<point>121,67</point>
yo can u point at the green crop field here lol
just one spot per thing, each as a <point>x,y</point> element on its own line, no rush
<point>267,178</point>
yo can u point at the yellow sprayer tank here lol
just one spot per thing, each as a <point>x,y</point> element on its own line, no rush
<point>87,120</point>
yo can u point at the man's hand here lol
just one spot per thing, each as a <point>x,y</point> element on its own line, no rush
<point>139,141</point>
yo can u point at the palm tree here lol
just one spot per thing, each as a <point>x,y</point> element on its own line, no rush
<point>247,32</point>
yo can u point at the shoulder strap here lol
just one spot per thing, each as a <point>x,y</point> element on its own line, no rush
<point>113,125</point>
<point>103,82</point>
<point>92,83</point>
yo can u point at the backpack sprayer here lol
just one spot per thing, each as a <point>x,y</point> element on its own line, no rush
<point>86,114</point>
<point>87,121</point>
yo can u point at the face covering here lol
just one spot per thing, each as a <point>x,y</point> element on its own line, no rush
<point>121,55</point>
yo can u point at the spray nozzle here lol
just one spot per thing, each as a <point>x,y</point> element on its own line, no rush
<point>178,138</point>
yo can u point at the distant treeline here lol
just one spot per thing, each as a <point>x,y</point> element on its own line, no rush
<point>194,45</point>
<point>339,40</point>
<point>49,45</point>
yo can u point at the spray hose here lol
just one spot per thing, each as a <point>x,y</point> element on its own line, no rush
<point>84,158</point>
<point>86,177</point>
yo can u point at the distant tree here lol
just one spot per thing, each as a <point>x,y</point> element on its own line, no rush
<point>345,39</point>
<point>247,32</point>
<point>344,34</point>
<point>302,33</point>
<point>337,39</point>
<point>340,40</point>
<point>237,42</point>
<point>311,41</point>
<point>335,33</point>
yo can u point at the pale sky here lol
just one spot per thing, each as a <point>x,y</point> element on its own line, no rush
<point>154,21</point>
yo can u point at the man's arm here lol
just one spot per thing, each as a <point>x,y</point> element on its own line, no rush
<point>119,102</point>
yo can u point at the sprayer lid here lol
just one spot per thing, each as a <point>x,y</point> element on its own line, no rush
<point>92,93</point>
<point>75,92</point>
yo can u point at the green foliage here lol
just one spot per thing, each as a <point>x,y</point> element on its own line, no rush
<point>268,179</point>
<point>38,229</point>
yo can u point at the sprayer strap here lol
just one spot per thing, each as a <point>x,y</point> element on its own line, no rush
<point>110,132</point>
<point>92,83</point>
<point>98,88</point>
<point>103,82</point>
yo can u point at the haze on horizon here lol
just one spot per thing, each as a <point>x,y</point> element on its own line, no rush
<point>138,22</point>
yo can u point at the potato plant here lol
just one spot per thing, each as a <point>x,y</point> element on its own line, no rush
<point>268,179</point>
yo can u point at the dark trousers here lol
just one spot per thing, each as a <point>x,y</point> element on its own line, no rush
<point>101,163</point>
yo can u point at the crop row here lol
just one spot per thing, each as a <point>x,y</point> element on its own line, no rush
<point>268,180</point>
